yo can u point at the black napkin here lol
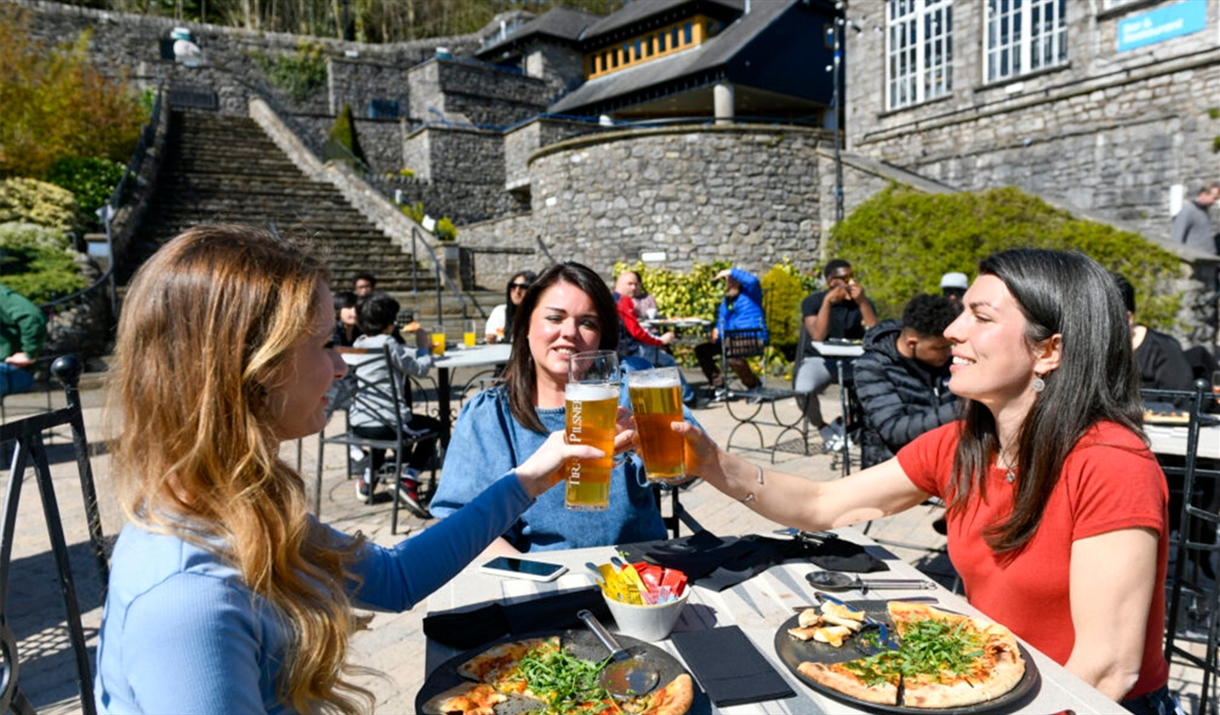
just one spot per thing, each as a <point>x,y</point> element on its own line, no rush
<point>729,667</point>
<point>718,563</point>
<point>840,555</point>
<point>467,629</point>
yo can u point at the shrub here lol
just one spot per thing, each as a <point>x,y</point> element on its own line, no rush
<point>37,202</point>
<point>92,181</point>
<point>26,235</point>
<point>299,75</point>
<point>415,211</point>
<point>55,104</point>
<point>343,134</point>
<point>782,293</point>
<point>445,230</point>
<point>40,274</point>
<point>901,241</point>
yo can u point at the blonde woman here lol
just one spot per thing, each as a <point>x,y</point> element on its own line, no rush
<point>225,594</point>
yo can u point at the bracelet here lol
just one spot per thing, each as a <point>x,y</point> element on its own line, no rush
<point>750,497</point>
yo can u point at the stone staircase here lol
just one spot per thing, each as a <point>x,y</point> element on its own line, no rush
<point>224,169</point>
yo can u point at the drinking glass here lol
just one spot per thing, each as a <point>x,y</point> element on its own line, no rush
<point>656,400</point>
<point>470,337</point>
<point>438,340</point>
<point>591,399</point>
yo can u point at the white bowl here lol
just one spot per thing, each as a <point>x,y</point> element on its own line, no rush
<point>647,623</point>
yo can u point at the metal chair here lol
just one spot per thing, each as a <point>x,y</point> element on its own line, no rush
<point>354,390</point>
<point>678,515</point>
<point>746,405</point>
<point>29,451</point>
<point>1192,591</point>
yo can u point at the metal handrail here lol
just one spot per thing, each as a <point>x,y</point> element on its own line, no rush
<point>542,247</point>
<point>441,275</point>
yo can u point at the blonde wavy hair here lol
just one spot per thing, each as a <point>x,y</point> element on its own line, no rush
<point>210,320</point>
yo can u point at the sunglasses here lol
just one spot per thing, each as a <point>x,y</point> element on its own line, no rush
<point>521,286</point>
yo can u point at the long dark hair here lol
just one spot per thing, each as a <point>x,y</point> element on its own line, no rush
<point>520,382</point>
<point>510,310</point>
<point>1070,295</point>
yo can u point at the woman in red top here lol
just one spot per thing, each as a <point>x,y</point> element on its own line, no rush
<point>1057,511</point>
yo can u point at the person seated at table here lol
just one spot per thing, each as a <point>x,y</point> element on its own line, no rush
<point>364,283</point>
<point>634,340</point>
<point>371,416</point>
<point>901,379</point>
<point>225,594</point>
<point>568,310</point>
<point>23,330</point>
<point>1056,507</point>
<point>841,312</point>
<point>740,309</point>
<point>500,323</point>
<point>347,327</point>
<point>1162,364</point>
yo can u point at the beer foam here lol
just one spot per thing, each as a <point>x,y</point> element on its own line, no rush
<point>591,392</point>
<point>653,378</point>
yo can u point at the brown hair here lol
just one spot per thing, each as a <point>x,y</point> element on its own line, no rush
<point>210,319</point>
<point>520,381</point>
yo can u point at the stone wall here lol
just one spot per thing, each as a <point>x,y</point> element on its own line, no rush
<point>460,173</point>
<point>502,248</point>
<point>481,93</point>
<point>745,193</point>
<point>525,139</point>
<point>358,82</point>
<point>1108,133</point>
<point>562,68</point>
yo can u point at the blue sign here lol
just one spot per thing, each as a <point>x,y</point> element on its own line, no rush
<point>1162,24</point>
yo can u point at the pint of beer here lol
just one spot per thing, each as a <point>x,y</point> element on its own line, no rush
<point>591,400</point>
<point>656,400</point>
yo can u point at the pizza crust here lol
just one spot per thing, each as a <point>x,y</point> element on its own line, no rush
<point>839,679</point>
<point>673,699</point>
<point>465,699</point>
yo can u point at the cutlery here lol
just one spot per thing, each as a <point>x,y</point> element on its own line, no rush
<point>626,676</point>
<point>837,581</point>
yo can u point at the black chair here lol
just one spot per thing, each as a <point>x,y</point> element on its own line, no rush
<point>746,405</point>
<point>355,390</point>
<point>678,515</point>
<point>1194,597</point>
<point>25,438</point>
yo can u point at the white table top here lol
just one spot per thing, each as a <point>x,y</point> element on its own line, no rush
<point>827,349</point>
<point>1170,439</point>
<point>758,606</point>
<point>477,356</point>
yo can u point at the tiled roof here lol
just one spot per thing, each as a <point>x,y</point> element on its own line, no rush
<point>713,53</point>
<point>559,22</point>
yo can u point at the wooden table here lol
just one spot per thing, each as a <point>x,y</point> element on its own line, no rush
<point>758,606</point>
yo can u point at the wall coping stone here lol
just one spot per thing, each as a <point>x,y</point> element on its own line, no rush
<point>638,132</point>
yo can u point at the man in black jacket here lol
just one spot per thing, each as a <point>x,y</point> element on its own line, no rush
<point>901,380</point>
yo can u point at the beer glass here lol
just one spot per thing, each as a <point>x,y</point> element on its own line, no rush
<point>591,399</point>
<point>471,335</point>
<point>438,340</point>
<point>656,400</point>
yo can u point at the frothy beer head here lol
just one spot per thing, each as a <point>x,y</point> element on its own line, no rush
<point>590,393</point>
<point>661,377</point>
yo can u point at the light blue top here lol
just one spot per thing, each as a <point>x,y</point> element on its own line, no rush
<point>488,442</point>
<point>181,632</point>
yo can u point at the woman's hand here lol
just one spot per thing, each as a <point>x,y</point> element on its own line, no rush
<point>624,431</point>
<point>543,469</point>
<point>703,457</point>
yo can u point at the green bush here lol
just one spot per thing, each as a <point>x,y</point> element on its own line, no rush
<point>40,274</point>
<point>343,134</point>
<point>415,211</point>
<point>299,75</point>
<point>29,235</point>
<point>783,291</point>
<point>901,241</point>
<point>92,181</point>
<point>37,202</point>
<point>445,230</point>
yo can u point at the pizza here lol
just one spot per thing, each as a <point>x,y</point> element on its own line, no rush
<point>541,675</point>
<point>946,660</point>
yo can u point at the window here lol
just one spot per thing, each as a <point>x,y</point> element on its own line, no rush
<point>639,50</point>
<point>661,42</point>
<point>919,51</point>
<point>687,37</point>
<point>1025,36</point>
<point>674,43</point>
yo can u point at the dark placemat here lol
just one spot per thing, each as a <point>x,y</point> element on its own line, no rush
<point>729,667</point>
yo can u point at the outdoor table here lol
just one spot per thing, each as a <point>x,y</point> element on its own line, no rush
<point>477,356</point>
<point>1171,440</point>
<point>688,330</point>
<point>759,606</point>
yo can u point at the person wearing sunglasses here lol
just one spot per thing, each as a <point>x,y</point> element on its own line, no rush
<point>500,322</point>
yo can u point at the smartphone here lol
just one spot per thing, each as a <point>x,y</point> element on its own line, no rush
<point>523,568</point>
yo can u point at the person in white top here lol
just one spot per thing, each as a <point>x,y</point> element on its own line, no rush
<point>500,322</point>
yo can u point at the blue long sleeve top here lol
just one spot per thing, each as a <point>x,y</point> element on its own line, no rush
<point>181,632</point>
<point>745,311</point>
<point>488,441</point>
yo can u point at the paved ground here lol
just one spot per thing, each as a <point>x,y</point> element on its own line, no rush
<point>394,643</point>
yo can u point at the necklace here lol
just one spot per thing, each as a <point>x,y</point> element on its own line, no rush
<point>1010,475</point>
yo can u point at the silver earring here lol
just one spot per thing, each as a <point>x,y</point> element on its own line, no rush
<point>1038,384</point>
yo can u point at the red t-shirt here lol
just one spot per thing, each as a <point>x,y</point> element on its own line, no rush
<point>1110,481</point>
<point>626,313</point>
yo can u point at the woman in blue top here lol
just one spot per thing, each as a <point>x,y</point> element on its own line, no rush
<point>225,595</point>
<point>567,310</point>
